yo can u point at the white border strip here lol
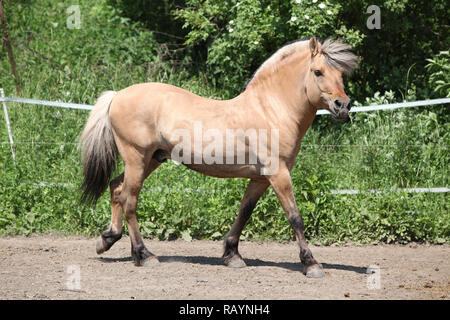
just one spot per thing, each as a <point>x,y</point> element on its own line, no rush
<point>390,106</point>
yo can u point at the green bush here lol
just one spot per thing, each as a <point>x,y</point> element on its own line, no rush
<point>439,69</point>
<point>153,14</point>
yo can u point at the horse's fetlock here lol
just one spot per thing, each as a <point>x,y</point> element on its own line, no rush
<point>139,253</point>
<point>230,247</point>
<point>110,237</point>
<point>306,257</point>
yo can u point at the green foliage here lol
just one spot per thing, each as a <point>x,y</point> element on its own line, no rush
<point>376,150</point>
<point>393,57</point>
<point>439,69</point>
<point>154,14</point>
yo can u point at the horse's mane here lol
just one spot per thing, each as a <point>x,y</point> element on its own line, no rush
<point>337,54</point>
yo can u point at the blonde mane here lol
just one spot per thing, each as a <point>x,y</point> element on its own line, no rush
<point>337,54</point>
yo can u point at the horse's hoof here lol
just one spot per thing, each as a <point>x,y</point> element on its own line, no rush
<point>106,240</point>
<point>235,262</point>
<point>315,271</point>
<point>100,245</point>
<point>150,261</point>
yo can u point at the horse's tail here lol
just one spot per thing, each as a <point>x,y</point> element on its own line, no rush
<point>98,149</point>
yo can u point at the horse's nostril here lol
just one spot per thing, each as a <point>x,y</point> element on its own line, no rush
<point>349,105</point>
<point>338,103</point>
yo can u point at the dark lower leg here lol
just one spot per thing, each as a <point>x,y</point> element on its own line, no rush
<point>231,254</point>
<point>134,178</point>
<point>231,241</point>
<point>114,232</point>
<point>283,188</point>
<point>140,254</point>
<point>107,239</point>
<point>306,256</point>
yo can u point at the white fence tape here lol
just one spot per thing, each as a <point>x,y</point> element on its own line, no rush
<point>49,103</point>
<point>392,106</point>
<point>407,190</point>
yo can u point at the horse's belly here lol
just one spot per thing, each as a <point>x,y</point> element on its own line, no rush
<point>227,171</point>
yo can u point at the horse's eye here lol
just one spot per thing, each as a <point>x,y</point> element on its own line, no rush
<point>318,73</point>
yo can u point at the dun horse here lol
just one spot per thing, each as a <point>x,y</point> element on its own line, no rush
<point>147,123</point>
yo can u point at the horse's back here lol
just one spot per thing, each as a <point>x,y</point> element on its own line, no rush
<point>143,111</point>
<point>152,93</point>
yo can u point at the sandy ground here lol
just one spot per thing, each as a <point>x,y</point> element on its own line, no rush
<point>59,267</point>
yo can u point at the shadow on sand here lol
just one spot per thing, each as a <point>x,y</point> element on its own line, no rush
<point>214,261</point>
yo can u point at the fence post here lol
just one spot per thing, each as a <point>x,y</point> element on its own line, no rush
<point>11,142</point>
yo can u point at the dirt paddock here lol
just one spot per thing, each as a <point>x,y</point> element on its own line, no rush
<point>61,267</point>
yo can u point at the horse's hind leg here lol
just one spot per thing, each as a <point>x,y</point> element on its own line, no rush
<point>114,232</point>
<point>231,255</point>
<point>135,173</point>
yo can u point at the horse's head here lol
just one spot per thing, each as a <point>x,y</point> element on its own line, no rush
<point>324,83</point>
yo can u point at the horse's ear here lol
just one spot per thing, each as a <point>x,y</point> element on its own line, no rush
<point>314,46</point>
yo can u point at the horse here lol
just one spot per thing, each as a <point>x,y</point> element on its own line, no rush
<point>148,123</point>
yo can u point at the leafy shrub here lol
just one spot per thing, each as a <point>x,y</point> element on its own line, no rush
<point>439,69</point>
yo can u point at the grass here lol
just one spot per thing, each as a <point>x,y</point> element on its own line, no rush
<point>376,150</point>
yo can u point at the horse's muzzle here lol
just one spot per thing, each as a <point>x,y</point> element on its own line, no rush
<point>340,108</point>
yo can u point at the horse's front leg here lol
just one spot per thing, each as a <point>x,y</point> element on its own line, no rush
<point>114,232</point>
<point>231,255</point>
<point>282,185</point>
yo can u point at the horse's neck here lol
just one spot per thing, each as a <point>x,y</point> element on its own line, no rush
<point>282,94</point>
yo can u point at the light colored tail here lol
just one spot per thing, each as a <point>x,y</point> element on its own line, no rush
<point>98,149</point>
